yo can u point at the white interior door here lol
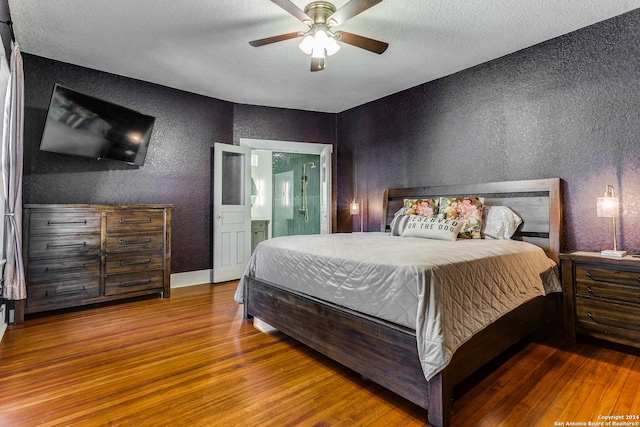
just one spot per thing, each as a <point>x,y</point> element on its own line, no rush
<point>325,190</point>
<point>231,211</point>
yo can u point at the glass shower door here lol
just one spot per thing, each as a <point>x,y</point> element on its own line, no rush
<point>282,203</point>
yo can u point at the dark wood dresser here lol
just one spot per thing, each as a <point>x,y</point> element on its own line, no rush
<point>83,254</point>
<point>601,297</point>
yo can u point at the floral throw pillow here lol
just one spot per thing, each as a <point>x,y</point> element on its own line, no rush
<point>467,210</point>
<point>422,207</point>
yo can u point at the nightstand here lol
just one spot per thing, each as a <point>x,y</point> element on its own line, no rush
<point>601,297</point>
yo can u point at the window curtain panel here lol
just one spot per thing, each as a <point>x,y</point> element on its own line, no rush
<point>5,74</point>
<point>14,286</point>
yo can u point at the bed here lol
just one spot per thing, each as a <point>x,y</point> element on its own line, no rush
<point>384,346</point>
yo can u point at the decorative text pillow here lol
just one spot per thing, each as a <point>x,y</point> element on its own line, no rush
<point>468,210</point>
<point>424,207</point>
<point>499,222</point>
<point>432,228</point>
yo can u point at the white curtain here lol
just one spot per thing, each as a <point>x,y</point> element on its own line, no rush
<point>5,75</point>
<point>14,286</point>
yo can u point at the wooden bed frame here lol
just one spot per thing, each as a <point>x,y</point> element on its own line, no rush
<point>386,353</point>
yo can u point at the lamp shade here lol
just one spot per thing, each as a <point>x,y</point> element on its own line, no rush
<point>354,208</point>
<point>331,46</point>
<point>306,45</point>
<point>608,206</point>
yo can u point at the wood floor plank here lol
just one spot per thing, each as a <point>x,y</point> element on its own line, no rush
<point>192,360</point>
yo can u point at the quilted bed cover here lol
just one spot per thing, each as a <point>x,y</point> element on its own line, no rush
<point>444,290</point>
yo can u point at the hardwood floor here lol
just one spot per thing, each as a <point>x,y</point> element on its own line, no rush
<point>193,361</point>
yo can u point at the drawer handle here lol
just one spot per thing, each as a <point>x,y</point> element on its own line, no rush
<point>604,294</point>
<point>590,276</point>
<point>82,290</point>
<point>134,221</point>
<point>134,283</point>
<point>84,222</point>
<point>614,323</point>
<point>75,267</point>
<point>135,262</point>
<point>66,245</point>
<point>134,242</point>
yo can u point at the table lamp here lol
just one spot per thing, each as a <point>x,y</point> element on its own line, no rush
<point>608,207</point>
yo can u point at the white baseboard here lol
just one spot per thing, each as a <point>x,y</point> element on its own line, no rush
<point>190,278</point>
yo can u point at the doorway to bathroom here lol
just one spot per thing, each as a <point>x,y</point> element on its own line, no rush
<point>291,188</point>
<point>296,194</point>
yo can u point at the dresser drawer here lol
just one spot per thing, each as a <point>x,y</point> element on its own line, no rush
<point>124,263</point>
<point>59,269</point>
<point>135,243</point>
<point>608,321</point>
<point>54,245</point>
<point>133,282</point>
<point>62,294</point>
<point>601,283</point>
<point>134,221</point>
<point>56,222</point>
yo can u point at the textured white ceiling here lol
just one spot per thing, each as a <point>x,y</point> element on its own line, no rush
<point>201,46</point>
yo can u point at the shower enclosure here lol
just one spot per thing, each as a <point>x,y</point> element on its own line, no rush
<point>296,194</point>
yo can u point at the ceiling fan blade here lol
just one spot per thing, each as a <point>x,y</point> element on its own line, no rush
<point>318,64</point>
<point>362,42</point>
<point>294,10</point>
<point>274,39</point>
<point>351,9</point>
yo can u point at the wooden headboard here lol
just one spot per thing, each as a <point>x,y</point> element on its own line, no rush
<point>538,202</point>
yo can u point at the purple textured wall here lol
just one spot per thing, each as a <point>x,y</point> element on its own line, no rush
<point>251,121</point>
<point>567,108</point>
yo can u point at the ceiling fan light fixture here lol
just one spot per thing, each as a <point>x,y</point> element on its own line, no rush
<point>319,41</point>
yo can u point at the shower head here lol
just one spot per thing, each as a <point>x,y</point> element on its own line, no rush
<point>313,165</point>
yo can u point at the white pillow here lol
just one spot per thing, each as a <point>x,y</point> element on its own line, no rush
<point>432,228</point>
<point>398,225</point>
<point>500,222</point>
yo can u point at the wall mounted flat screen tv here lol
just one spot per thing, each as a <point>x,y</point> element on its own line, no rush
<point>81,125</point>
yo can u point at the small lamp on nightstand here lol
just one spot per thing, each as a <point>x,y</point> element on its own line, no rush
<point>608,207</point>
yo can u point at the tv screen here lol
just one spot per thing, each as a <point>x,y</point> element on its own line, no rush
<point>81,125</point>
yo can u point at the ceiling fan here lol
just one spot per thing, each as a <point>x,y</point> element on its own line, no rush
<point>320,41</point>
